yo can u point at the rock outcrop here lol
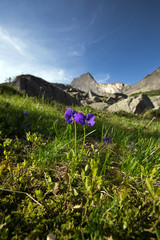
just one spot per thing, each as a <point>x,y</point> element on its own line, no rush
<point>38,87</point>
<point>99,105</point>
<point>136,104</point>
<point>110,88</point>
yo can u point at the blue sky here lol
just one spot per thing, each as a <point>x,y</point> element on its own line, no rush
<point>58,40</point>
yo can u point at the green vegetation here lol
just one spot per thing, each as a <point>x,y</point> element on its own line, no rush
<point>6,88</point>
<point>149,93</point>
<point>51,181</point>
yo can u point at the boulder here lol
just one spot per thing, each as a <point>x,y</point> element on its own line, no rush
<point>91,94</point>
<point>136,104</point>
<point>99,105</point>
<point>38,87</point>
<point>156,101</point>
<point>120,96</point>
<point>93,97</point>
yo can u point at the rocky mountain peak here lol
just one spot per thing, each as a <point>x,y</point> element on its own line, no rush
<point>86,83</point>
<point>88,75</point>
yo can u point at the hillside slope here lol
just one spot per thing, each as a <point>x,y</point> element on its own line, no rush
<point>150,82</point>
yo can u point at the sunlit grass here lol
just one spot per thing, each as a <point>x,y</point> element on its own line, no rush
<point>87,190</point>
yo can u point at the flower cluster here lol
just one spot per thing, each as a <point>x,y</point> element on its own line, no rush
<point>70,116</point>
<point>25,114</point>
<point>107,140</point>
<point>132,143</point>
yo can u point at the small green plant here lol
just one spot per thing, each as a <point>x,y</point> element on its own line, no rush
<point>92,182</point>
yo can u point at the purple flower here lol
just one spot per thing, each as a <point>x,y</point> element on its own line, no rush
<point>90,119</point>
<point>69,115</point>
<point>132,143</point>
<point>25,113</point>
<point>80,118</point>
<point>107,140</point>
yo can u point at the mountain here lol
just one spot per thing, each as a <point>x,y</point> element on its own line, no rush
<point>35,86</point>
<point>86,83</point>
<point>148,83</point>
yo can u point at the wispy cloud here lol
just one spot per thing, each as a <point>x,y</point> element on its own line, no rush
<point>94,17</point>
<point>50,74</point>
<point>103,78</point>
<point>97,40</point>
<point>64,29</point>
<point>77,51</point>
<point>56,75</point>
<point>10,41</point>
<point>23,52</point>
<point>8,70</point>
<point>92,20</point>
<point>19,56</point>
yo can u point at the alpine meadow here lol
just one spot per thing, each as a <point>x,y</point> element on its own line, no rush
<point>72,172</point>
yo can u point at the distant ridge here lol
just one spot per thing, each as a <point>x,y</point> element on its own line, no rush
<point>85,82</point>
<point>148,83</point>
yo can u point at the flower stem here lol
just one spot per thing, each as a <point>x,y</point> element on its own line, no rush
<point>84,139</point>
<point>75,141</point>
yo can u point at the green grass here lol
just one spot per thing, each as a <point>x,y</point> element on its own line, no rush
<point>100,192</point>
<point>149,93</point>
